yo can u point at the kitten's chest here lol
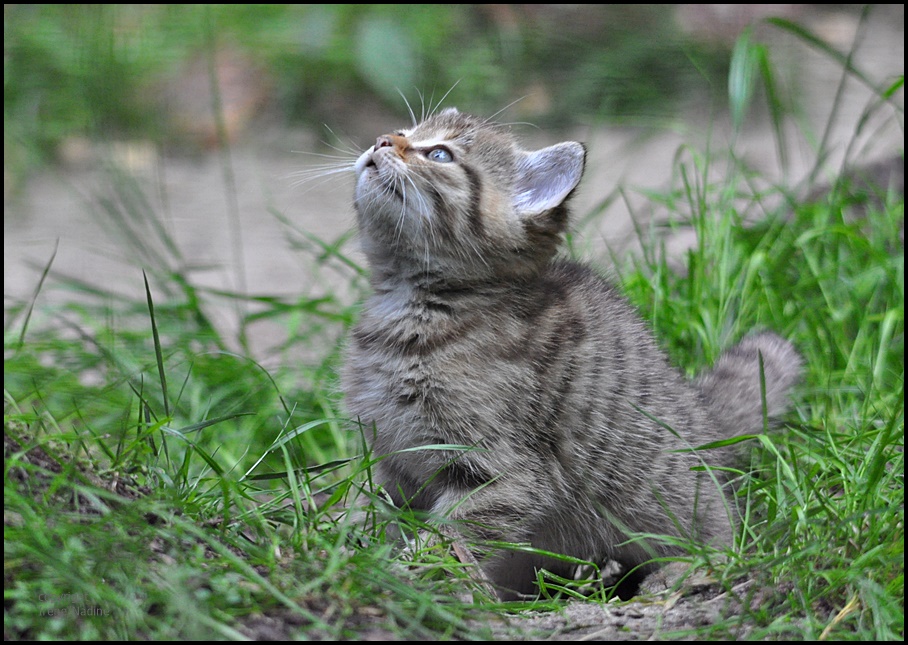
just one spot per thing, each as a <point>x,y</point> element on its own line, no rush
<point>431,365</point>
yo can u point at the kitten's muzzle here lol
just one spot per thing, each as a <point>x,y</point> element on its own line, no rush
<point>397,143</point>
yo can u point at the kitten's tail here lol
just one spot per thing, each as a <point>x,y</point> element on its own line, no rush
<point>732,386</point>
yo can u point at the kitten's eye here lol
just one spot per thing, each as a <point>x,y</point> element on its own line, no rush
<point>441,155</point>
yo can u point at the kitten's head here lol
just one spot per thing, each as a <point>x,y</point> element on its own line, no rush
<point>456,200</point>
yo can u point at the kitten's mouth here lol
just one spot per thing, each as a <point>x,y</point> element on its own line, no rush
<point>365,161</point>
<point>370,162</point>
<point>374,180</point>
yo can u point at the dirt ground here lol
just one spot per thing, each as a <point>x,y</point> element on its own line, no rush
<point>675,617</point>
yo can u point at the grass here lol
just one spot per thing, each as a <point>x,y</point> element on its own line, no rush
<point>102,71</point>
<point>161,484</point>
<point>824,498</point>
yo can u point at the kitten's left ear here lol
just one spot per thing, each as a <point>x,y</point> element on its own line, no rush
<point>546,177</point>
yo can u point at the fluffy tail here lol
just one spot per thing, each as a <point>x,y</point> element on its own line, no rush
<point>732,386</point>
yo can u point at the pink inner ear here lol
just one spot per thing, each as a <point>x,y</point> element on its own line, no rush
<point>546,177</point>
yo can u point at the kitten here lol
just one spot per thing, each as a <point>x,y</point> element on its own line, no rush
<point>477,336</point>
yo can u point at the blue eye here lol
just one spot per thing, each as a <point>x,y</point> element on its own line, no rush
<point>441,155</point>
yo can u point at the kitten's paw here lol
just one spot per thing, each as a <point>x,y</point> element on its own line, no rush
<point>674,577</point>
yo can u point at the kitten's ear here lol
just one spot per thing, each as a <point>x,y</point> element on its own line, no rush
<point>546,177</point>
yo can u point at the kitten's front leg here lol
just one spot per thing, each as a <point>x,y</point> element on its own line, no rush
<point>502,511</point>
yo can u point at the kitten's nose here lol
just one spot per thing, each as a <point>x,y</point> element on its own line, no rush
<point>391,140</point>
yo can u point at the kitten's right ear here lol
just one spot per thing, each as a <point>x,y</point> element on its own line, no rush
<point>546,177</point>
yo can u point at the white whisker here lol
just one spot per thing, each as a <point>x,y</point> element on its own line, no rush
<point>409,109</point>
<point>319,174</point>
<point>352,147</point>
<point>441,100</point>
<point>509,105</point>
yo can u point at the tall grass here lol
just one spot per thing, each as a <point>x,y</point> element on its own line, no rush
<point>822,542</point>
<point>159,485</point>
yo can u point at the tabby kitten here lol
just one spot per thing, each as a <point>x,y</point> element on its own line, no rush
<point>477,336</point>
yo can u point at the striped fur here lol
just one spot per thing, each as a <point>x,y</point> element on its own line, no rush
<point>477,336</point>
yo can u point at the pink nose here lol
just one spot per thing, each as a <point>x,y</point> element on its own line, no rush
<point>391,140</point>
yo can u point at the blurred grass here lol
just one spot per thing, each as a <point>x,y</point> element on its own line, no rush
<point>98,71</point>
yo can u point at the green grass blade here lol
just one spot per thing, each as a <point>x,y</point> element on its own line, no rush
<point>34,298</point>
<point>159,355</point>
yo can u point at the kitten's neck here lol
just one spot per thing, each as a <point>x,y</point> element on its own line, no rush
<point>421,284</point>
<point>443,273</point>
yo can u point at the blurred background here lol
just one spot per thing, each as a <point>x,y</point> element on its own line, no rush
<point>216,117</point>
<point>143,71</point>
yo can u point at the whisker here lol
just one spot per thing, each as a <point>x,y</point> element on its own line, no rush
<point>441,100</point>
<point>509,105</point>
<point>352,148</point>
<point>344,156</point>
<point>399,226</point>
<point>422,105</point>
<point>319,175</point>
<point>323,170</point>
<point>409,109</point>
